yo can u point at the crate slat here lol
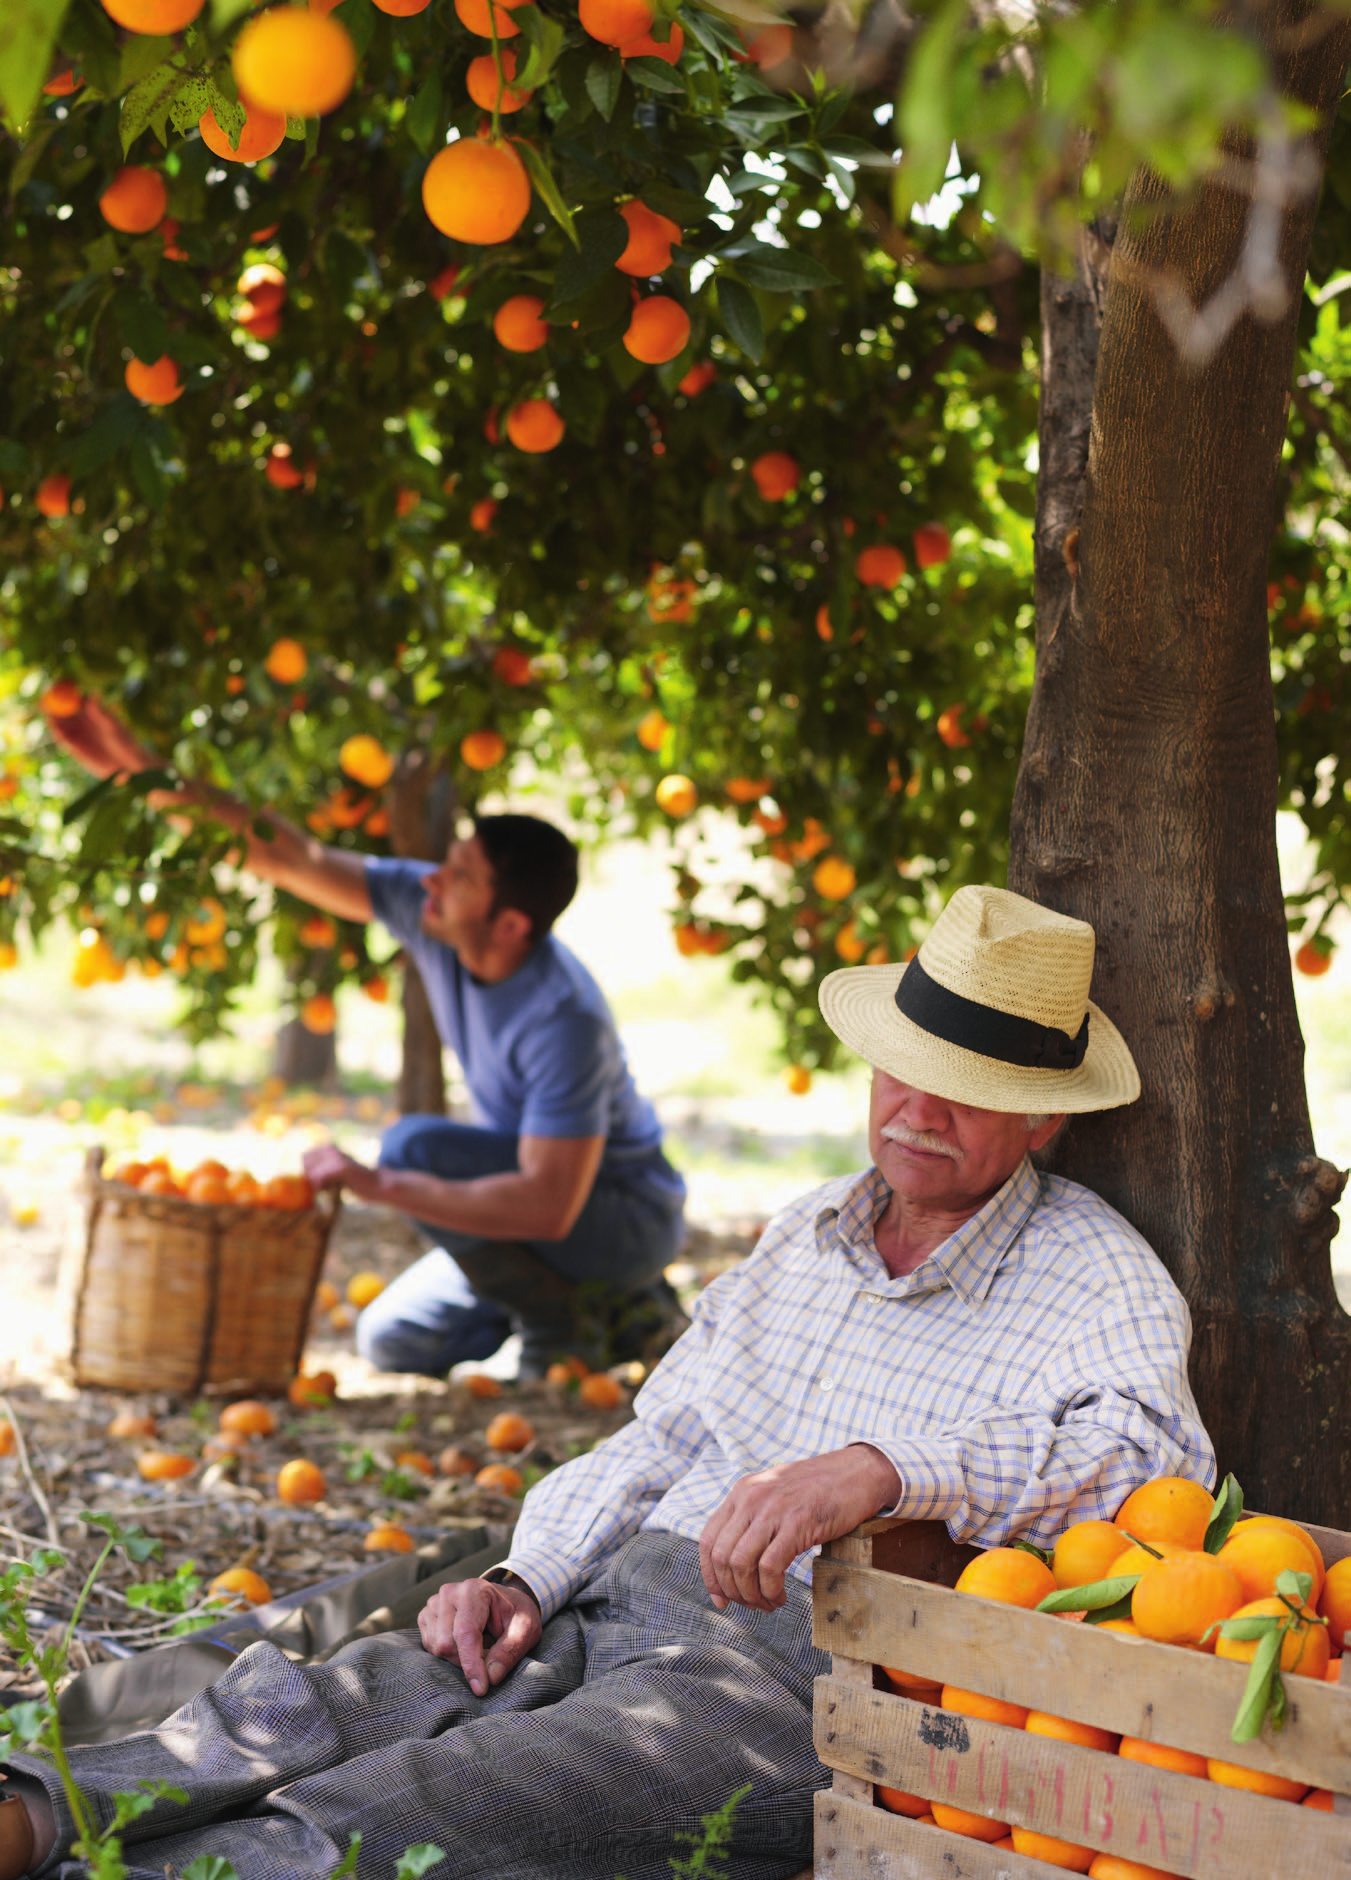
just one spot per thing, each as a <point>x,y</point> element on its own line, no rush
<point>1179,1823</point>
<point>1126,1685</point>
<point>858,1842</point>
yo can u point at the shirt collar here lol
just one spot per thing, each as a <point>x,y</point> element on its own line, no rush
<point>966,1261</point>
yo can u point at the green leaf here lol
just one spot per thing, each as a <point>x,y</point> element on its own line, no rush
<point>147,472</point>
<point>1295,1586</point>
<point>741,316</point>
<point>544,41</point>
<point>15,460</point>
<point>348,1863</point>
<point>344,264</point>
<point>210,1866</point>
<point>1121,1610</point>
<point>924,125</point>
<point>764,112</point>
<point>604,76</point>
<point>28,30</point>
<point>1263,1678</point>
<point>194,98</point>
<point>1228,1507</point>
<point>110,432</point>
<point>657,75</point>
<point>602,236</point>
<point>1246,1630</point>
<point>414,1861</point>
<point>426,111</point>
<point>780,270</point>
<point>856,150</point>
<point>146,105</point>
<point>1092,1597</point>
<point>141,324</point>
<point>549,193</point>
<point>224,13</point>
<point>1037,1553</point>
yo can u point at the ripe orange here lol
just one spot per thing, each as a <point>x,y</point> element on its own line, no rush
<point>53,499</point>
<point>263,286</point>
<point>208,1190</point>
<point>1085,1552</point>
<point>1183,1762</point>
<point>325,1296</point>
<point>949,727</point>
<point>698,378</point>
<point>748,789</point>
<point>1065,1730</point>
<point>286,662</point>
<point>534,425</point>
<point>770,47</point>
<point>241,1585</point>
<point>1334,1602</point>
<point>650,239</point>
<point>135,201</point>
<point>317,931</point>
<point>509,1431</point>
<point>849,945</point>
<point>362,1288</point>
<point>133,1423</point>
<point>652,729</point>
<point>1177,1601</point>
<point>600,1390</point>
<point>315,1388</point>
<point>366,759</point>
<point>163,1465</point>
<point>658,329</point>
<point>933,544</point>
<point>908,1684</point>
<point>833,878</point>
<point>474,15</point>
<point>881,566</point>
<point>1320,1799</point>
<point>490,91</point>
<point>8,1440</point>
<point>453,1461</point>
<point>242,1188</point>
<point>294,62</point>
<point>248,1417</point>
<point>1007,1574</point>
<point>476,190</point>
<point>900,1802</point>
<point>266,326</point>
<point>443,284</point>
<point>1306,1540</point>
<point>1055,1853</point>
<point>481,515</point>
<point>388,1538</point>
<point>512,666</point>
<point>975,1827</point>
<point>988,1709</point>
<point>61,84</point>
<point>319,1014</point>
<point>646,47</point>
<point>402,9</point>
<point>280,468</point>
<point>1313,960</point>
<point>517,322</point>
<point>497,1475</point>
<point>1117,1867</point>
<point>776,475</point>
<point>160,1182</point>
<point>156,384</point>
<point>479,1384</point>
<point>616,22</point>
<point>416,1460</point>
<point>1257,1552</point>
<point>63,699</point>
<point>224,1446</point>
<point>1141,1559</point>
<point>798,1079</point>
<point>260,134</point>
<point>300,1481</point>
<point>1233,1776</point>
<point>376,989</point>
<point>1173,1508</point>
<point>480,750</point>
<point>1304,1646</point>
<point>153,16</point>
<point>676,795</point>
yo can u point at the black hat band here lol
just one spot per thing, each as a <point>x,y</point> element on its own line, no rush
<point>983,1029</point>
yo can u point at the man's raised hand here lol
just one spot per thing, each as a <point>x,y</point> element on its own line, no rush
<point>459,1620</point>
<point>97,738</point>
<point>771,1517</point>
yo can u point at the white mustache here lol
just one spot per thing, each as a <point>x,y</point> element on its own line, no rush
<point>933,1145</point>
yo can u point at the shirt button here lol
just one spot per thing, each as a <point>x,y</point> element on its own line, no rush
<point>827,1383</point>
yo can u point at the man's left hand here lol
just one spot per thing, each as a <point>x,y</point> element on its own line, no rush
<point>773,1516</point>
<point>328,1167</point>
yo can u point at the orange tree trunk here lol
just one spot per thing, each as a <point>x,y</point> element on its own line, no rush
<point>422,814</point>
<point>1146,804</point>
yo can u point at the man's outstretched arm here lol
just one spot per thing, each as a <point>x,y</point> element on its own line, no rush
<point>287,856</point>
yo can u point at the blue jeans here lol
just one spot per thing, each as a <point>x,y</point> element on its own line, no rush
<point>430,1318</point>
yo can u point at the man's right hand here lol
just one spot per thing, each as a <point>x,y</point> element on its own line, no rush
<point>459,1619</point>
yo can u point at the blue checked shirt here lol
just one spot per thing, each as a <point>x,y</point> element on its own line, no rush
<point>1030,1372</point>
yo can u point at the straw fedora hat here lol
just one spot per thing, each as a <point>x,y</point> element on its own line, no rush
<point>992,1011</point>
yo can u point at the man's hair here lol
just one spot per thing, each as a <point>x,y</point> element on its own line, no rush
<point>534,867</point>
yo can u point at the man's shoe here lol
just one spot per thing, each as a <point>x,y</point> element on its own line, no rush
<point>17,1840</point>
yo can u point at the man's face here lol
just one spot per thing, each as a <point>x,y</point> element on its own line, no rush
<point>945,1156</point>
<point>458,909</point>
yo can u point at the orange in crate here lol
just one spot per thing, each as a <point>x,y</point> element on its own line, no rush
<point>1173,1508</point>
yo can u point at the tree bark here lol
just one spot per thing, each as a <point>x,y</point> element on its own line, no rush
<point>1146,804</point>
<point>421,820</point>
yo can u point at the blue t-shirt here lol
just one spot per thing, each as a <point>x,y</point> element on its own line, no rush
<point>539,1050</point>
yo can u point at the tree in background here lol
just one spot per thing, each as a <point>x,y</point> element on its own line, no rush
<point>783,569</point>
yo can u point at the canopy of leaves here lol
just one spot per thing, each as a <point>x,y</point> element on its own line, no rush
<point>636,566</point>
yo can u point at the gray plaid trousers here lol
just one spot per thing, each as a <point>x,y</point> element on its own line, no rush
<point>641,1710</point>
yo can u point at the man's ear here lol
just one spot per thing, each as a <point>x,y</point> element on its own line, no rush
<point>511,927</point>
<point>1039,1137</point>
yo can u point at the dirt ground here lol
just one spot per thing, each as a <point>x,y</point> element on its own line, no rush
<point>226,1512</point>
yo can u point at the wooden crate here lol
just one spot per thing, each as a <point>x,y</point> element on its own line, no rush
<point>882,1596</point>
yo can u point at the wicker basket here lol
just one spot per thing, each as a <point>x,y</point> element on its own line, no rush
<point>183,1296</point>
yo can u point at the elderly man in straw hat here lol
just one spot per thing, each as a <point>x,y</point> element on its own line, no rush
<point>947,1334</point>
